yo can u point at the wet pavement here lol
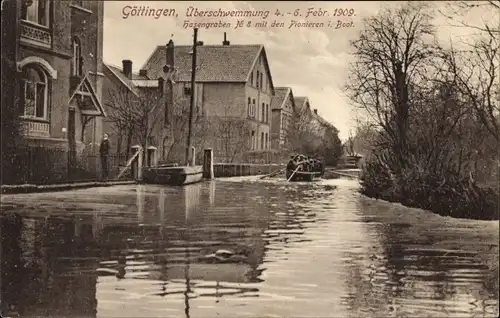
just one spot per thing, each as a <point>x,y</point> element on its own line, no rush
<point>241,248</point>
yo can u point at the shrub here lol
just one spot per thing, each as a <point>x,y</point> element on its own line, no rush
<point>442,193</point>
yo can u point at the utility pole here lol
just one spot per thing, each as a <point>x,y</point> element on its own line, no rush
<point>191,106</point>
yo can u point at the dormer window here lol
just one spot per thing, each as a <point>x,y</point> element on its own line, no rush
<point>258,77</point>
<point>251,79</point>
<point>36,11</point>
<point>77,62</point>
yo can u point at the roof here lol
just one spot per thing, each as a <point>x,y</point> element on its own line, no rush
<point>280,96</point>
<point>215,63</point>
<point>323,121</point>
<point>85,89</point>
<point>301,102</point>
<point>117,72</point>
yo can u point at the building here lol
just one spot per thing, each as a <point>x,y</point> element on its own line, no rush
<point>233,93</point>
<point>321,125</point>
<point>132,102</point>
<point>283,110</point>
<point>58,77</point>
<point>60,72</point>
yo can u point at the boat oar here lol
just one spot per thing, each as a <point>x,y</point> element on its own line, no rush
<point>272,174</point>
<point>293,173</point>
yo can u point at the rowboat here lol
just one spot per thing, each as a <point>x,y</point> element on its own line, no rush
<point>301,175</point>
<point>174,176</point>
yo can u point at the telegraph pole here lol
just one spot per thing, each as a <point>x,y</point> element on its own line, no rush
<point>191,106</point>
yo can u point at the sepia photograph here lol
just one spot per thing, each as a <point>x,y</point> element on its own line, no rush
<point>250,159</point>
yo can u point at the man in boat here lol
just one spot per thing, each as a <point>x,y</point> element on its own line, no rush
<point>291,163</point>
<point>320,167</point>
<point>291,166</point>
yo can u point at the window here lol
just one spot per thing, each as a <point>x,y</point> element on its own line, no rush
<point>34,93</point>
<point>261,140</point>
<point>263,117</point>
<point>249,108</point>
<point>267,113</point>
<point>251,79</point>
<point>253,108</point>
<point>77,63</point>
<point>253,140</point>
<point>187,89</point>
<point>261,86</point>
<point>36,11</point>
<point>257,79</point>
<point>267,137</point>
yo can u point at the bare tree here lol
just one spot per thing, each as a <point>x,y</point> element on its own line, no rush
<point>302,134</point>
<point>121,115</point>
<point>477,66</point>
<point>232,132</point>
<point>456,11</point>
<point>179,125</point>
<point>391,54</point>
<point>135,113</point>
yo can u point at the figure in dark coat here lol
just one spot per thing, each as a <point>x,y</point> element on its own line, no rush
<point>104,152</point>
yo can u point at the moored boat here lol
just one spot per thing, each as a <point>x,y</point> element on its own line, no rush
<point>175,176</point>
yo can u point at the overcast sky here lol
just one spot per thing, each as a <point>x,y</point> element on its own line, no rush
<point>313,61</point>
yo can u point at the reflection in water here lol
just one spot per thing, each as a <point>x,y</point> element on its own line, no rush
<point>212,187</point>
<point>140,202</point>
<point>260,249</point>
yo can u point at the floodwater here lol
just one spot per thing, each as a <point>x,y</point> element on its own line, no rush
<point>241,248</point>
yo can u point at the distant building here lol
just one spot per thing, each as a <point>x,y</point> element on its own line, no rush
<point>283,109</point>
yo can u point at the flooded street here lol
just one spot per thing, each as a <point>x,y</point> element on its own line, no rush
<point>241,248</point>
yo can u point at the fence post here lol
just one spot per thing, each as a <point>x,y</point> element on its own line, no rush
<point>152,157</point>
<point>136,164</point>
<point>208,163</point>
<point>192,158</point>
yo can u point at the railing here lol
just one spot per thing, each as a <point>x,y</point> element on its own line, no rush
<point>43,165</point>
<point>35,129</point>
<point>35,34</point>
<point>222,170</point>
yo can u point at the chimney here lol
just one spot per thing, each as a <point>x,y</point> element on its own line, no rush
<point>143,73</point>
<point>225,42</point>
<point>316,111</point>
<point>170,54</point>
<point>127,68</point>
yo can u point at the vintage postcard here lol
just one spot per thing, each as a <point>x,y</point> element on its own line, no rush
<point>250,159</point>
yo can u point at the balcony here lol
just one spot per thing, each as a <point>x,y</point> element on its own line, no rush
<point>36,34</point>
<point>35,129</point>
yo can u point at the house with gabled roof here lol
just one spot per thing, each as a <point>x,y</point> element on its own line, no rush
<point>282,108</point>
<point>128,96</point>
<point>233,82</point>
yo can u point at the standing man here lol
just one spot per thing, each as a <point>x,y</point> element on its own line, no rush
<point>104,152</point>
